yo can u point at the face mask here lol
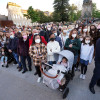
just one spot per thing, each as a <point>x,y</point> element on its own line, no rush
<point>49,29</point>
<point>65,31</point>
<point>70,29</point>
<point>81,39</point>
<point>20,31</point>
<point>93,29</point>
<point>85,30</point>
<point>25,37</point>
<point>37,41</point>
<point>55,34</point>
<point>79,30</point>
<point>52,39</point>
<point>74,35</point>
<point>87,41</point>
<point>36,33</point>
<point>11,36</point>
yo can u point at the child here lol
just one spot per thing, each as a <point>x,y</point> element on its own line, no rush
<point>64,62</point>
<point>3,57</point>
<point>86,55</point>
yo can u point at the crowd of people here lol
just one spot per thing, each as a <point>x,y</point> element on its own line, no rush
<point>39,44</point>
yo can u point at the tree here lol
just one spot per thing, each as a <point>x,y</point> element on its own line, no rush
<point>74,13</point>
<point>95,11</point>
<point>32,14</point>
<point>61,9</point>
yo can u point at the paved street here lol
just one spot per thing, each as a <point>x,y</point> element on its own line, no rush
<point>16,86</point>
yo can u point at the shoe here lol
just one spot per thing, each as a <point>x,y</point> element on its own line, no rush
<point>39,80</point>
<point>2,65</point>
<point>92,89</point>
<point>24,71</point>
<point>7,66</point>
<point>84,77</point>
<point>81,76</point>
<point>30,69</point>
<point>35,73</point>
<point>20,69</point>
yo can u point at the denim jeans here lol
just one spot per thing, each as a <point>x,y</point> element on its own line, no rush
<point>23,60</point>
<point>4,59</point>
<point>17,59</point>
<point>75,59</point>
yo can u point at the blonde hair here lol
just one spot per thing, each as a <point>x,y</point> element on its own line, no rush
<point>24,32</point>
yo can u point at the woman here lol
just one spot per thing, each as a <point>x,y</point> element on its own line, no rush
<point>52,47</point>
<point>85,31</point>
<point>23,52</point>
<point>80,28</point>
<point>73,44</point>
<point>38,52</point>
<point>93,34</point>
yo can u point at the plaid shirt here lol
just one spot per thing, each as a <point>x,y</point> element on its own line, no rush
<point>33,51</point>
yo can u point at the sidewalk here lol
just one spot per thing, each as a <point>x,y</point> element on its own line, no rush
<point>17,86</point>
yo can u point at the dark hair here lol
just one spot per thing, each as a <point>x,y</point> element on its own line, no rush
<point>50,34</point>
<point>70,35</point>
<point>90,40</point>
<point>33,43</point>
<point>83,29</point>
<point>65,58</point>
<point>95,31</point>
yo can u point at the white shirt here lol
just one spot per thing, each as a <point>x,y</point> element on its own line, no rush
<point>52,47</point>
<point>87,52</point>
<point>63,38</point>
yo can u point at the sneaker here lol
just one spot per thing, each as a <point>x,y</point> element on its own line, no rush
<point>84,76</point>
<point>39,80</point>
<point>81,76</point>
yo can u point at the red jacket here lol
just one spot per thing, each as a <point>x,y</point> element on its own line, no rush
<point>42,38</point>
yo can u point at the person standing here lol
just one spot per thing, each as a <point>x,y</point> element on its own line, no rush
<point>23,52</point>
<point>52,47</point>
<point>38,52</point>
<point>86,55</point>
<point>96,73</point>
<point>73,44</point>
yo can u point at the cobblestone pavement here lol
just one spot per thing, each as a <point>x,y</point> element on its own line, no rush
<point>17,86</point>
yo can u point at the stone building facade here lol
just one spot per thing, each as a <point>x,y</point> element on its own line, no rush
<point>15,13</point>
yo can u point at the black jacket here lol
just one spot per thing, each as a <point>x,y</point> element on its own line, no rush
<point>13,43</point>
<point>97,54</point>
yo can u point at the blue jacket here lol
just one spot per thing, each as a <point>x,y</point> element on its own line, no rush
<point>58,39</point>
<point>13,44</point>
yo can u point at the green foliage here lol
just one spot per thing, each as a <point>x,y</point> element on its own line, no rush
<point>61,9</point>
<point>32,14</point>
<point>37,16</point>
<point>95,11</point>
<point>74,13</point>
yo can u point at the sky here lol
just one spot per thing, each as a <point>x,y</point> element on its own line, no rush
<point>44,5</point>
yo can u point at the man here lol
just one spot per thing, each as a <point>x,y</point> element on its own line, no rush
<point>96,74</point>
<point>12,48</point>
<point>57,38</point>
<point>48,32</point>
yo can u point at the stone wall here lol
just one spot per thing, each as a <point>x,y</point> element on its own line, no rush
<point>3,17</point>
